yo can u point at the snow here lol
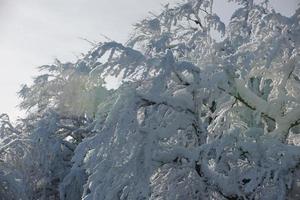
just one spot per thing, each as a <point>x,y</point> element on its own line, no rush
<point>190,117</point>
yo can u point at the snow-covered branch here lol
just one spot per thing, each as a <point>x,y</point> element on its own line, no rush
<point>252,100</point>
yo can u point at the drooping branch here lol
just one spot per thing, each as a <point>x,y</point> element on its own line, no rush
<point>248,104</point>
<point>12,143</point>
<point>5,122</point>
<point>148,101</point>
<point>285,123</point>
<point>249,98</point>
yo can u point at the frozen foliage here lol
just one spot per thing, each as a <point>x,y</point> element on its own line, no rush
<point>193,118</point>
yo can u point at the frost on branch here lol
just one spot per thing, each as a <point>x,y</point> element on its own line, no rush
<point>192,118</point>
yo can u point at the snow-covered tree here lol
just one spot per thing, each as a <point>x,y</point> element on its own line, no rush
<point>202,111</point>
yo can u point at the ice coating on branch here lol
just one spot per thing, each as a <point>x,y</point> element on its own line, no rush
<point>192,118</point>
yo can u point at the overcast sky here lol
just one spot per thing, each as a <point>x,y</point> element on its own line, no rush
<point>35,32</point>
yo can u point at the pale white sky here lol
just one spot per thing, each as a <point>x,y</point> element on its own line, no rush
<point>34,32</point>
